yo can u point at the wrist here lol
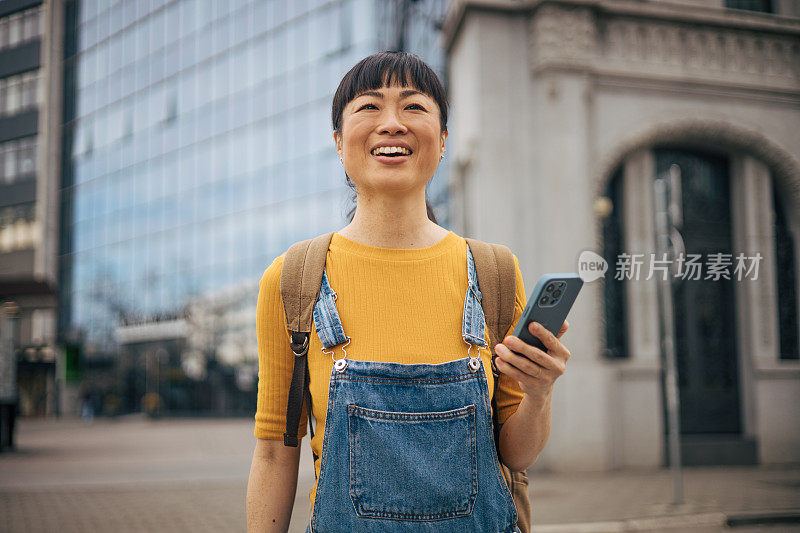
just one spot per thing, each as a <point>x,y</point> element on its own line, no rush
<point>539,395</point>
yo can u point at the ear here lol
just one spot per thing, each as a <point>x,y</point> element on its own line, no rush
<point>337,140</point>
<point>444,136</point>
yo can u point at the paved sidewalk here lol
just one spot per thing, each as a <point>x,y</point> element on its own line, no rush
<point>136,474</point>
<point>641,499</point>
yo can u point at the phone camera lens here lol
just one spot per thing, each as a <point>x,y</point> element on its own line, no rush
<point>543,300</point>
<point>556,293</point>
<point>549,288</point>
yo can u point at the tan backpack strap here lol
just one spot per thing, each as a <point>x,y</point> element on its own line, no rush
<point>301,277</point>
<point>497,278</point>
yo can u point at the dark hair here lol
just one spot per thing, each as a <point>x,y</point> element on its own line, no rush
<point>385,69</point>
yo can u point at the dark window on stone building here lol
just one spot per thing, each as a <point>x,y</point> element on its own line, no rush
<point>785,258</point>
<point>614,289</point>
<point>750,5</point>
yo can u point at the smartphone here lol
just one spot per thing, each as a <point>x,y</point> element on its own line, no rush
<point>549,304</point>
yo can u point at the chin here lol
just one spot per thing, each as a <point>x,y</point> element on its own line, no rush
<point>395,181</point>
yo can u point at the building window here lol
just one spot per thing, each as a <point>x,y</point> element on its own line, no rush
<point>19,93</point>
<point>17,227</point>
<point>30,25</point>
<point>764,6</point>
<point>786,259</point>
<point>3,32</point>
<point>17,160</point>
<point>616,323</point>
<point>20,28</point>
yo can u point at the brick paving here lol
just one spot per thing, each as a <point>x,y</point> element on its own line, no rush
<point>134,474</point>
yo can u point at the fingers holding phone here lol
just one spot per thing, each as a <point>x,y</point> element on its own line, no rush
<point>534,354</point>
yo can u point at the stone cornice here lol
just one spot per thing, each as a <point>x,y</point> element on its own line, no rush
<point>655,41</point>
<point>608,41</point>
<point>661,11</point>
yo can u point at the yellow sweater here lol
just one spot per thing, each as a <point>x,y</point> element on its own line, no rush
<point>396,305</point>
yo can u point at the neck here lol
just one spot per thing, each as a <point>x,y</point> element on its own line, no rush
<point>393,222</point>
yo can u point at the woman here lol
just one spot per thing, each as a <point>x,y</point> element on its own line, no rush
<point>401,285</point>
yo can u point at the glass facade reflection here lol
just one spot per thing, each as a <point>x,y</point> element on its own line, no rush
<point>199,147</point>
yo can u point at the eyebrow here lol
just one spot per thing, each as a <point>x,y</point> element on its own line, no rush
<point>403,94</point>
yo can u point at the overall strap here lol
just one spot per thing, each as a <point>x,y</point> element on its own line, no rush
<point>301,276</point>
<point>494,265</point>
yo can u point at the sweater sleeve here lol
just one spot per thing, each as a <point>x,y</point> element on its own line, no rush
<point>509,394</point>
<point>275,358</point>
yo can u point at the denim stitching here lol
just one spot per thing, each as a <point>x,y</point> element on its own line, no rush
<point>363,412</point>
<point>366,379</point>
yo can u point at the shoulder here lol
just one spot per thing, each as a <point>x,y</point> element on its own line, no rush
<point>271,278</point>
<point>492,244</point>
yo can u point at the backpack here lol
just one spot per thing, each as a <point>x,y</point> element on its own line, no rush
<point>301,277</point>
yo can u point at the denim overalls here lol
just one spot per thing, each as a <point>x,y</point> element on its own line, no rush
<point>409,447</point>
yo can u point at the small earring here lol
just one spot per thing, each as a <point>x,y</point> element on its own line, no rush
<point>441,156</point>
<point>341,160</point>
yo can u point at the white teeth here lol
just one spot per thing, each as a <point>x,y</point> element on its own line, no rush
<point>391,150</point>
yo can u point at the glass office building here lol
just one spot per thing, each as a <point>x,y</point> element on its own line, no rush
<point>198,147</point>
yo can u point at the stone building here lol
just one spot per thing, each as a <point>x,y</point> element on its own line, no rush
<point>564,108</point>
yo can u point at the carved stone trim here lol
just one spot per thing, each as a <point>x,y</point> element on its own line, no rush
<point>598,38</point>
<point>725,55</point>
<point>563,34</point>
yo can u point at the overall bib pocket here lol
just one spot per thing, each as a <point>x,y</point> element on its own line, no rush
<point>413,466</point>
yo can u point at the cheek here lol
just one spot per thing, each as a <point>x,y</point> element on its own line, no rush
<point>357,134</point>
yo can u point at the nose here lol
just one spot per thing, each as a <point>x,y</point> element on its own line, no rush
<point>391,123</point>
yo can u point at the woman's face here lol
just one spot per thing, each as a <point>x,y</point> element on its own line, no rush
<point>397,116</point>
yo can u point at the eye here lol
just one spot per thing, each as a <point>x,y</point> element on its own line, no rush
<point>366,105</point>
<point>419,106</point>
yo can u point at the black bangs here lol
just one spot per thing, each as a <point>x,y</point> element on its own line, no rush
<point>392,68</point>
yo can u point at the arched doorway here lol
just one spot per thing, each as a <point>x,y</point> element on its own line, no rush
<point>710,311</point>
<point>704,304</point>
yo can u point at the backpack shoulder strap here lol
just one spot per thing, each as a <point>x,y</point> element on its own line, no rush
<point>497,277</point>
<point>301,276</point>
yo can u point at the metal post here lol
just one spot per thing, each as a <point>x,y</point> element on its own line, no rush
<point>664,228</point>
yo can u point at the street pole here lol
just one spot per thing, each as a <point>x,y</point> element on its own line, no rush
<point>664,229</point>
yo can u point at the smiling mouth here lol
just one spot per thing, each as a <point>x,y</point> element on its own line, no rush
<point>391,151</point>
<point>391,159</point>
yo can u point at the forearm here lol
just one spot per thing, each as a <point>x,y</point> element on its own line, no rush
<point>271,490</point>
<point>525,433</point>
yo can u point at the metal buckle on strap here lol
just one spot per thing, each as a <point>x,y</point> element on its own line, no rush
<point>297,348</point>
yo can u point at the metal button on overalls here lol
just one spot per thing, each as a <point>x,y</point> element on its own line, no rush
<point>409,447</point>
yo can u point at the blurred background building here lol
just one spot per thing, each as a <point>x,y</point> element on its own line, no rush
<point>564,113</point>
<point>197,147</point>
<point>30,140</point>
